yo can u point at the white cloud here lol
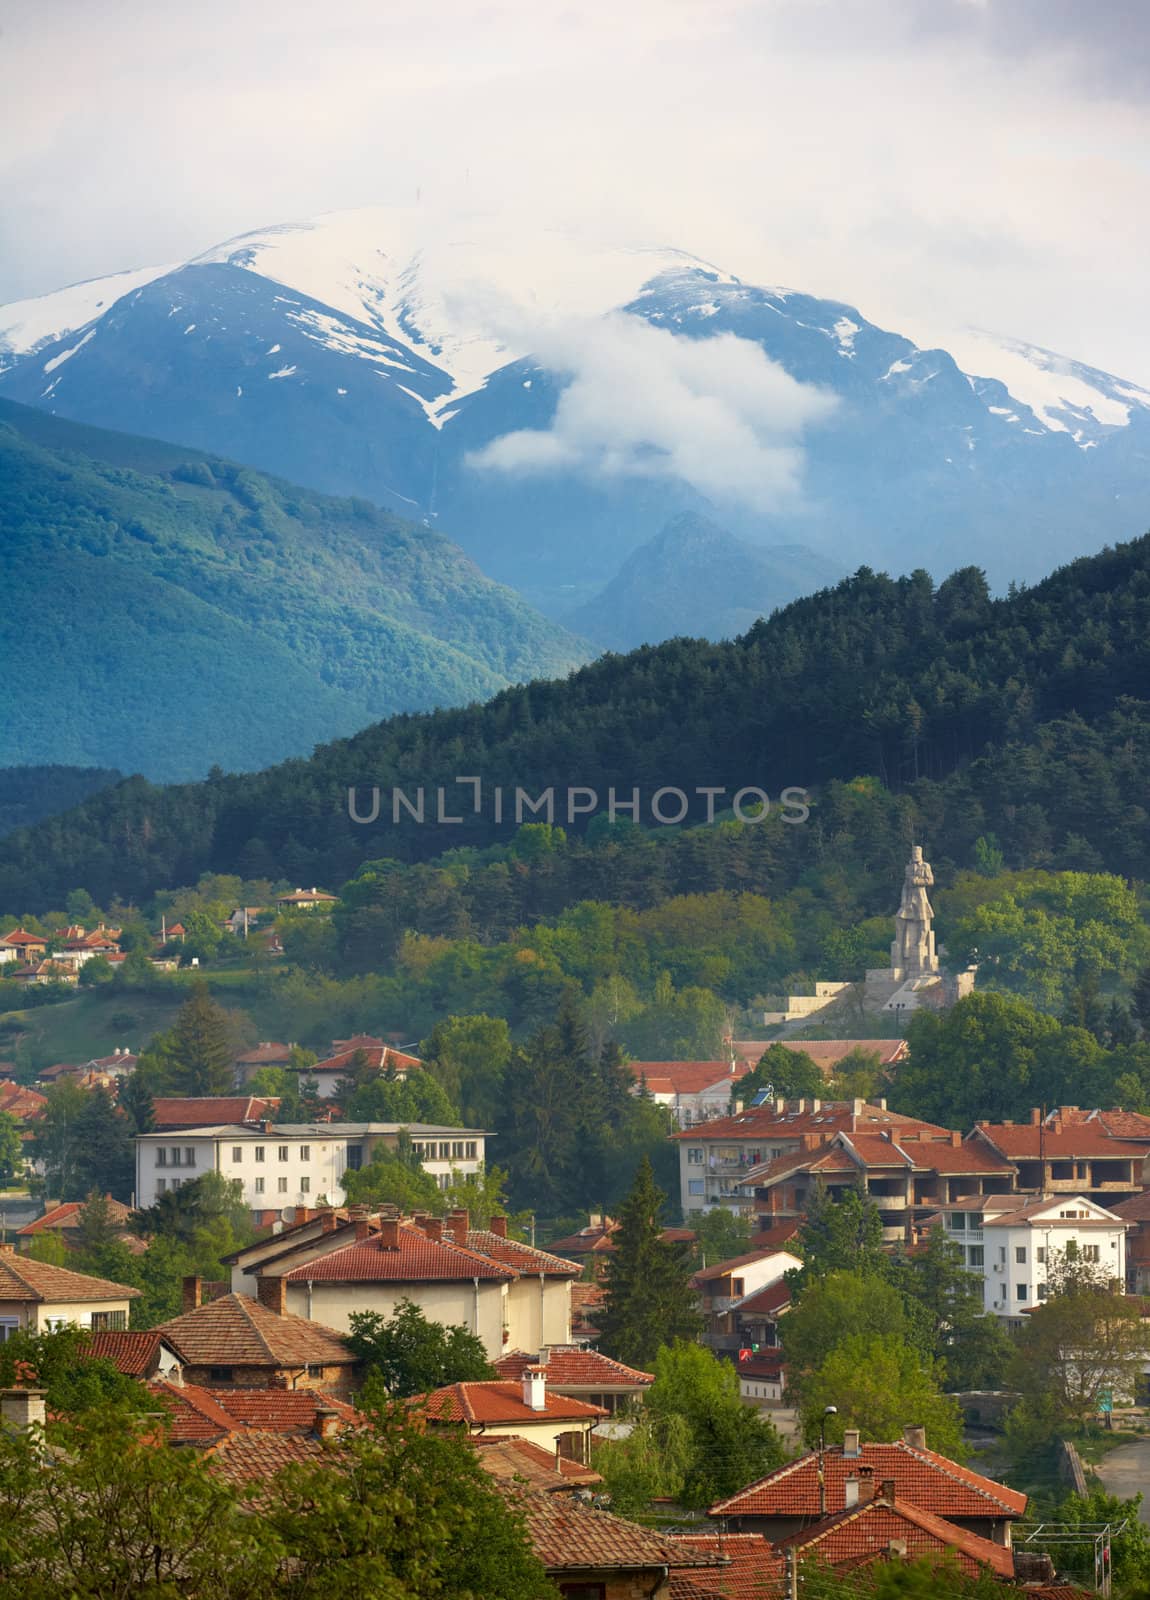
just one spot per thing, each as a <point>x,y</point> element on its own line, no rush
<point>716,413</point>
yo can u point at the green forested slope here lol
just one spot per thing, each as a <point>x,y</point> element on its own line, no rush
<point>183,612</point>
<point>1027,716</point>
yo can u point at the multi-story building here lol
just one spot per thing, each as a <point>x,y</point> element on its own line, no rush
<point>1096,1153</point>
<point>284,1165</point>
<point>36,1297</point>
<point>725,1287</point>
<point>1013,1241</point>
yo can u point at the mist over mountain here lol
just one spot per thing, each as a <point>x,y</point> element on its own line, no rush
<point>552,406</point>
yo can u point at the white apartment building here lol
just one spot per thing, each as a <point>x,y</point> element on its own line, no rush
<point>284,1165</point>
<point>1011,1240</point>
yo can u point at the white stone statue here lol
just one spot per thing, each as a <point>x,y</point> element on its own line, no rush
<point>912,955</point>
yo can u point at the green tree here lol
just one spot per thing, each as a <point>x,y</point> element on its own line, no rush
<point>198,1052</point>
<point>1074,1346</point>
<point>649,1300</point>
<point>11,1149</point>
<point>85,1143</point>
<point>844,1305</point>
<point>972,1348</point>
<point>413,1355</point>
<point>134,1099</point>
<point>720,1235</point>
<point>395,1177</point>
<point>840,1232</point>
<point>788,1072</point>
<point>983,1060</point>
<point>730,1443</point>
<point>73,1380</point>
<point>469,1056</point>
<point>880,1383</point>
<point>651,1460</point>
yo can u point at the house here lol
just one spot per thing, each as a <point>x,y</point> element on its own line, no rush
<point>237,1341</point>
<point>240,922</point>
<point>591,1555</point>
<point>693,1091</point>
<point>1011,1242</point>
<point>881,1526</point>
<point>50,970</point>
<point>581,1374</point>
<point>386,1263</point>
<point>512,1460</point>
<point>306,900</point>
<point>22,946</point>
<point>586,1310</point>
<point>284,1165</point>
<point>120,1064</point>
<point>747,1568</point>
<point>36,1297</point>
<point>23,1104</point>
<point>729,1284</point>
<point>827,1054</point>
<point>595,1242</point>
<point>177,1112</point>
<point>527,1409</point>
<point>373,1055</point>
<point>139,1353</point>
<point>788,1499</point>
<point>716,1157</point>
<point>64,1222</point>
<point>268,1053</point>
<point>907,1172</point>
<point>1070,1152</point>
<point>203,1417</point>
<point>47,1076</point>
<point>1135,1214</point>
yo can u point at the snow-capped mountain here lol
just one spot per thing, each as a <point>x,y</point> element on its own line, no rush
<point>494,383</point>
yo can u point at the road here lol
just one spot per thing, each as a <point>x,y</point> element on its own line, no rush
<point>1126,1472</point>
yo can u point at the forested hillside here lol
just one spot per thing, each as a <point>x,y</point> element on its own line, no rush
<point>29,793</point>
<point>1026,717</point>
<point>186,593</point>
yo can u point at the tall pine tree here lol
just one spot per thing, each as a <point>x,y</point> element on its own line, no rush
<point>199,1047</point>
<point>650,1302</point>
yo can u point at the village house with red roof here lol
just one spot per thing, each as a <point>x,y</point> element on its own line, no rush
<point>36,1297</point>
<point>236,1341</point>
<point>64,1222</point>
<point>527,1408</point>
<point>580,1374</point>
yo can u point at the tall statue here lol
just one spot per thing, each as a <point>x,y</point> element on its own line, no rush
<point>912,954</point>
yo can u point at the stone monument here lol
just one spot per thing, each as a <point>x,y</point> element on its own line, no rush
<point>912,953</point>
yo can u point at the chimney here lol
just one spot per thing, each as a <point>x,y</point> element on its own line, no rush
<point>851,1448</point>
<point>740,1106</point>
<point>326,1425</point>
<point>272,1294</point>
<point>433,1228</point>
<point>816,1105</point>
<point>914,1437</point>
<point>327,1221</point>
<point>21,1409</point>
<point>499,1227</point>
<point>458,1223</point>
<point>362,1228</point>
<point>302,1214</point>
<point>535,1388</point>
<point>857,1107</point>
<point>389,1233</point>
<point>866,1485</point>
<point>882,1103</point>
<point>851,1493</point>
<point>955,1139</point>
<point>191,1290</point>
<point>1035,1116</point>
<point>265,1127</point>
<point>886,1492</point>
<point>780,1105</point>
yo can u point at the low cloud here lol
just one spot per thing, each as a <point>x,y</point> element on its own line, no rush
<point>716,413</point>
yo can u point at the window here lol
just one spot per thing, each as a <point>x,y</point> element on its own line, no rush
<point>975,1252</point>
<point>161,1158</point>
<point>1002,1254</point>
<point>237,1152</point>
<point>314,1371</point>
<point>161,1185</point>
<point>1040,1255</point>
<point>281,1184</point>
<point>457,1150</point>
<point>583,1591</point>
<point>472,1150</point>
<point>9,1327</point>
<point>694,1156</point>
<point>174,1155</point>
<point>189,1155</point>
<point>445,1150</point>
<point>1020,1254</point>
<point>444,1180</point>
<point>259,1152</point>
<point>283,1152</point>
<point>220,1374</point>
<point>1020,1291</point>
<point>305,1152</point>
<point>737,1288</point>
<point>974,1220</point>
<point>102,1321</point>
<point>695,1186</point>
<point>259,1186</point>
<point>958,1221</point>
<point>354,1157</point>
<point>1091,1252</point>
<point>305,1185</point>
<point>1042,1291</point>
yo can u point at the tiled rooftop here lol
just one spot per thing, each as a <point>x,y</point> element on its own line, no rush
<point>413,1258</point>
<point>209,1111</point>
<point>570,1366</point>
<point>567,1537</point>
<point>515,1460</point>
<point>135,1354</point>
<point>496,1402</point>
<point>752,1570</point>
<point>236,1331</point>
<point>21,1278</point>
<point>867,1532</point>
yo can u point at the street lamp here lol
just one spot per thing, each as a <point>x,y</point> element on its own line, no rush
<point>828,1411</point>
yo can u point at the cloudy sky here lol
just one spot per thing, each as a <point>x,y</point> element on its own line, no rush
<point>935,162</point>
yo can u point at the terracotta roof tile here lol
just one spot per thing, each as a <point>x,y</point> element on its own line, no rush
<point>866,1533</point>
<point>67,1217</point>
<point>496,1402</point>
<point>523,1257</point>
<point>21,1278</point>
<point>721,1269</point>
<point>930,1481</point>
<point>1136,1209</point>
<point>568,1537</point>
<point>415,1259</point>
<point>1024,1141</point>
<point>768,1302</point>
<point>570,1366</point>
<point>752,1569</point>
<point>236,1331</point>
<point>250,1457</point>
<point>21,1103</point>
<point>281,1410</point>
<point>515,1460</point>
<point>686,1077</point>
<point>767,1122</point>
<point>211,1111</point>
<point>135,1354</point>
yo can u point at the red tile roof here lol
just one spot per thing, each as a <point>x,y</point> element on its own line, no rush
<point>686,1077</point>
<point>570,1366</point>
<point>67,1217</point>
<point>752,1569</point>
<point>595,1236</point>
<point>415,1259</point>
<point>1117,1123</point>
<point>250,1457</point>
<point>270,1051</point>
<point>200,1413</point>
<point>723,1269</point>
<point>523,1257</point>
<point>21,1278</point>
<point>18,939</point>
<point>236,1331</point>
<point>769,1302</point>
<point>800,1116</point>
<point>825,1053</point>
<point>1136,1209</point>
<point>931,1481</point>
<point>21,1103</point>
<point>777,1236</point>
<point>210,1111</point>
<point>866,1533</point>
<point>498,1403</point>
<point>568,1537</point>
<point>195,1414</point>
<point>515,1460</point>
<point>1025,1141</point>
<point>135,1354</point>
